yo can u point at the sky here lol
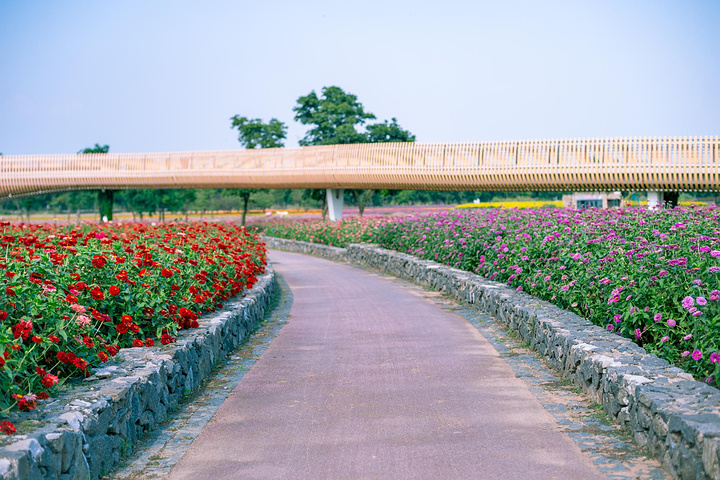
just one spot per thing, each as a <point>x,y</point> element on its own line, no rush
<point>168,75</point>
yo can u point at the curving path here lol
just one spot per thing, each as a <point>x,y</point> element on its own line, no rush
<point>368,380</point>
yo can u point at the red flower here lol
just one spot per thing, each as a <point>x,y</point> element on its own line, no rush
<point>2,362</point>
<point>166,272</point>
<point>199,299</point>
<point>36,339</point>
<point>166,338</point>
<point>75,276</point>
<point>149,342</point>
<point>103,356</point>
<point>49,380</point>
<point>121,328</point>
<point>81,286</point>
<point>126,319</point>
<point>43,395</point>
<point>97,294</point>
<point>9,291</point>
<point>9,274</point>
<point>112,350</point>
<point>53,338</point>
<point>114,290</point>
<point>119,259</point>
<point>98,261</point>
<point>89,342</point>
<point>194,324</point>
<point>27,402</point>
<point>3,315</point>
<point>134,328</point>
<point>71,299</point>
<point>7,427</point>
<point>137,342</point>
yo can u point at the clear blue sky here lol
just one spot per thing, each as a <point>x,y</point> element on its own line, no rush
<point>167,75</point>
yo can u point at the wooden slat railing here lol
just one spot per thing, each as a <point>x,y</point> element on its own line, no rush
<point>628,164</point>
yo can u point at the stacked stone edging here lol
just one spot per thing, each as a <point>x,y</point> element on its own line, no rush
<point>674,416</point>
<point>85,432</point>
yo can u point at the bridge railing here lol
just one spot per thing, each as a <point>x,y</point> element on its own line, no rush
<point>661,164</point>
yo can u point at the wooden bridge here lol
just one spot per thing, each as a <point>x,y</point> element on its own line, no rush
<point>655,165</point>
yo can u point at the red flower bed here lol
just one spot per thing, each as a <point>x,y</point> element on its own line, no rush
<point>71,296</point>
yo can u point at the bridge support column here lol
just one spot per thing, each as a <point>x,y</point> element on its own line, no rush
<point>335,203</point>
<point>655,199</point>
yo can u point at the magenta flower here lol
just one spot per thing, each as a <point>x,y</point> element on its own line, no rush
<point>685,353</point>
<point>670,322</point>
<point>664,339</point>
<point>715,357</point>
<point>688,302</point>
<point>697,355</point>
<point>688,336</point>
<point>657,317</point>
<point>701,301</point>
<point>610,328</point>
<point>638,333</point>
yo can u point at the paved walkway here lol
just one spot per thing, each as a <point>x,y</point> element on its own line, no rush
<point>369,380</point>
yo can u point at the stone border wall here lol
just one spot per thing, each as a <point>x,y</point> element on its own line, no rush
<point>674,416</point>
<point>86,431</point>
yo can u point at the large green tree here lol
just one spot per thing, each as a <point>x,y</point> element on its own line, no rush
<point>105,196</point>
<point>335,118</point>
<point>254,133</point>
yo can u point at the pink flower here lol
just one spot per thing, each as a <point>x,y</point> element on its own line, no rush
<point>664,339</point>
<point>658,317</point>
<point>670,322</point>
<point>688,336</point>
<point>688,302</point>
<point>638,333</point>
<point>697,355</point>
<point>701,301</point>
<point>83,320</point>
<point>610,328</point>
<point>715,357</point>
<point>685,353</point>
<point>715,253</point>
<point>77,308</point>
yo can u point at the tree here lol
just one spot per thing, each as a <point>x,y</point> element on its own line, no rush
<point>334,119</point>
<point>253,133</point>
<point>105,196</point>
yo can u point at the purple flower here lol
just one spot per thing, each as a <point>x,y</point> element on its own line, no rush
<point>519,289</point>
<point>688,302</point>
<point>697,313</point>
<point>610,328</point>
<point>715,253</point>
<point>692,310</point>
<point>685,353</point>
<point>697,355</point>
<point>658,317</point>
<point>628,298</point>
<point>617,318</point>
<point>565,288</point>
<point>670,322</point>
<point>714,269</point>
<point>688,336</point>
<point>701,301</point>
<point>715,357</point>
<point>638,333</point>
<point>664,339</point>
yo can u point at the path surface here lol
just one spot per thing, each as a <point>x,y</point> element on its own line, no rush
<point>368,380</point>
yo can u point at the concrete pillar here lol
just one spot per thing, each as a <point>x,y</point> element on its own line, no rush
<point>335,203</point>
<point>655,199</point>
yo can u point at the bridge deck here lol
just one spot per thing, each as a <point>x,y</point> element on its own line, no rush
<point>369,380</point>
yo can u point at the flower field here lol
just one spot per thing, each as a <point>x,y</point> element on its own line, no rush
<point>653,276</point>
<point>335,234</point>
<point>71,296</point>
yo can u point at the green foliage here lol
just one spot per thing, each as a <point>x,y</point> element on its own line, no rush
<point>253,133</point>
<point>333,118</point>
<point>388,132</point>
<point>96,149</point>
